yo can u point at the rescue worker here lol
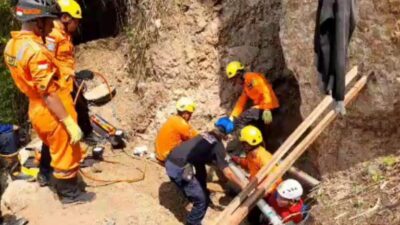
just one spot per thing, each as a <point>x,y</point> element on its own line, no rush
<point>176,130</point>
<point>256,155</point>
<point>255,87</point>
<point>186,163</point>
<point>59,43</point>
<point>256,158</point>
<point>52,114</point>
<point>287,202</point>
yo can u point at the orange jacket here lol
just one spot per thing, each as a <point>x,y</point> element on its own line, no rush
<point>259,90</point>
<point>59,43</point>
<point>171,134</point>
<point>256,160</point>
<point>36,76</point>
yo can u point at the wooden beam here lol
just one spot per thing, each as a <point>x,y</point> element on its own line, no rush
<point>243,210</point>
<point>303,177</point>
<point>283,149</point>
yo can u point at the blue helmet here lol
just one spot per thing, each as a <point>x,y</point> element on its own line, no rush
<point>225,125</point>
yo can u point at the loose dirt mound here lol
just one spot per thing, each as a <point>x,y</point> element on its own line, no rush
<point>366,194</point>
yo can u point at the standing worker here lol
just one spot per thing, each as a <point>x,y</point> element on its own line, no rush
<point>52,117</point>
<point>176,130</point>
<point>186,163</point>
<point>255,87</point>
<point>59,43</point>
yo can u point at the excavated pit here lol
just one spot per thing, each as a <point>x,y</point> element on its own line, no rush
<point>101,19</point>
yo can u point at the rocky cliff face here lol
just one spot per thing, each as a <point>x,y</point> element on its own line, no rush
<point>196,39</point>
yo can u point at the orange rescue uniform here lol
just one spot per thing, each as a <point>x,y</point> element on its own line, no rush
<point>172,133</point>
<point>36,76</point>
<point>59,43</point>
<point>259,90</point>
<point>256,160</point>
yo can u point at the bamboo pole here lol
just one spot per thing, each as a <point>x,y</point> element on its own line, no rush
<point>243,210</point>
<point>283,149</point>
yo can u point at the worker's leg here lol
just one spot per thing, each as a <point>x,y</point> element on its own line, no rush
<point>65,160</point>
<point>197,195</point>
<point>201,175</point>
<point>82,110</point>
<point>193,191</point>
<point>45,169</point>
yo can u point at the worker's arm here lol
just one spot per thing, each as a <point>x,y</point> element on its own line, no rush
<point>186,131</point>
<point>55,105</point>
<point>240,161</point>
<point>239,107</point>
<point>228,173</point>
<point>42,71</point>
<point>266,95</point>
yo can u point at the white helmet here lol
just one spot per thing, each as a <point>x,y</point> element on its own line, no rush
<point>290,189</point>
<point>185,104</point>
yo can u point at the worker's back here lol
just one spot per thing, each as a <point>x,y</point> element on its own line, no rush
<point>200,150</point>
<point>258,88</point>
<point>172,133</point>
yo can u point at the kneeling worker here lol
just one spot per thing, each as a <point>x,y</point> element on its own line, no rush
<point>186,167</point>
<point>176,130</point>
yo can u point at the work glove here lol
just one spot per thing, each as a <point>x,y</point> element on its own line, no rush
<point>236,159</point>
<point>267,116</point>
<point>84,75</point>
<point>75,133</point>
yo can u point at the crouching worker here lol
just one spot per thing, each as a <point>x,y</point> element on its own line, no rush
<point>287,201</point>
<point>53,118</point>
<point>186,167</point>
<point>176,130</point>
<point>256,156</point>
<point>255,87</point>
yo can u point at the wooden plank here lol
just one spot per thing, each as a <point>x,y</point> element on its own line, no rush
<point>243,210</point>
<point>283,149</point>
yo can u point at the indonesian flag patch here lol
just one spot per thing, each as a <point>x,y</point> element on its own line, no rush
<point>19,12</point>
<point>43,65</point>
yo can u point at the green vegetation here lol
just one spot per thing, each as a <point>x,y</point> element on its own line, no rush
<point>12,103</point>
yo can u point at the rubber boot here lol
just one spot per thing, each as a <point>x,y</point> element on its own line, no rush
<point>70,192</point>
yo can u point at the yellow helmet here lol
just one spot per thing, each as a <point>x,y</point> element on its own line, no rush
<point>251,135</point>
<point>71,7</point>
<point>185,104</point>
<point>233,67</point>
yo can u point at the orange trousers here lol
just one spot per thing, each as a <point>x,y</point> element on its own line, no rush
<point>65,157</point>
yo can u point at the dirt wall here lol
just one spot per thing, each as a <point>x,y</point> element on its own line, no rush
<point>371,126</point>
<point>190,41</point>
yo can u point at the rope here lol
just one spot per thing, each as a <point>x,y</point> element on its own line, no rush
<point>109,182</point>
<point>104,80</point>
